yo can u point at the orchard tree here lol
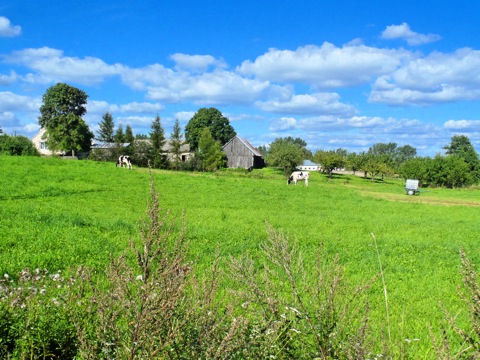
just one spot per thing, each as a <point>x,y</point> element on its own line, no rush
<point>210,118</point>
<point>106,128</point>
<point>61,116</point>
<point>329,160</point>
<point>285,154</point>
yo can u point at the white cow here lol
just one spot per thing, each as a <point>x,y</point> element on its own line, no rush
<point>124,160</point>
<point>299,175</point>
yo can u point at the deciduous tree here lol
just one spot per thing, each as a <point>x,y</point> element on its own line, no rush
<point>61,115</point>
<point>213,119</point>
<point>286,154</point>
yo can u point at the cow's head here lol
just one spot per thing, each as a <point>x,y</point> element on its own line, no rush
<point>290,179</point>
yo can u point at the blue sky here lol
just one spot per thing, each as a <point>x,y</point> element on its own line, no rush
<point>339,74</point>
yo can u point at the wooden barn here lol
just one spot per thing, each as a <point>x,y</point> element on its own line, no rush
<point>241,154</point>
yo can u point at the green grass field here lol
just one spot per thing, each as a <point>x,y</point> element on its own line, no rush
<point>56,214</point>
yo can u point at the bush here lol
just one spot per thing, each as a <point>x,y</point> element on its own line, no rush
<point>16,145</point>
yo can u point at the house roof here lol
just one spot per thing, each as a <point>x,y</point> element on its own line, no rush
<point>107,145</point>
<point>309,163</point>
<point>247,145</point>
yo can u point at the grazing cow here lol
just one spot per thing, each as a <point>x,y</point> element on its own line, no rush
<point>299,175</point>
<point>124,160</point>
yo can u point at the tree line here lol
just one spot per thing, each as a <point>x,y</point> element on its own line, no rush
<point>458,167</point>
<point>208,130</point>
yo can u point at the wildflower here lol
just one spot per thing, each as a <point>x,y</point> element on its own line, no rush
<point>139,277</point>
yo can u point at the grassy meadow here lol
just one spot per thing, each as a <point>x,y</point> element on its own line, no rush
<point>57,214</point>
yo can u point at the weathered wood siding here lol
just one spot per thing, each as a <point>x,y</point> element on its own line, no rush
<point>240,156</point>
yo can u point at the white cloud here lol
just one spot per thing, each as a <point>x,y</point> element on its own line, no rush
<point>101,107</point>
<point>436,78</point>
<point>462,125</point>
<point>219,87</point>
<point>7,29</point>
<point>317,103</point>
<point>50,65</point>
<point>403,31</point>
<point>8,79</point>
<point>184,115</point>
<point>325,67</point>
<point>196,62</point>
<point>18,103</point>
<point>283,124</point>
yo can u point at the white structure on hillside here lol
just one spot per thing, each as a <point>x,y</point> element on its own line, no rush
<point>39,140</point>
<point>310,166</point>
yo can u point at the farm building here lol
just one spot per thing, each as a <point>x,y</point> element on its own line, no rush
<point>39,140</point>
<point>308,165</point>
<point>241,154</point>
<point>183,156</point>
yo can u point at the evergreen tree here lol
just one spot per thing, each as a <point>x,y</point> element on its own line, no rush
<point>176,143</point>
<point>210,152</point>
<point>119,136</point>
<point>129,138</point>
<point>157,138</point>
<point>106,128</point>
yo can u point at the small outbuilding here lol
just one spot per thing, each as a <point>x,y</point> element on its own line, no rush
<point>241,154</point>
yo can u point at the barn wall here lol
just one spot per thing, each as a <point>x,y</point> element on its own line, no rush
<point>240,156</point>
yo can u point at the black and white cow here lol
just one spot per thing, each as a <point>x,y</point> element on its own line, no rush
<point>299,175</point>
<point>124,160</point>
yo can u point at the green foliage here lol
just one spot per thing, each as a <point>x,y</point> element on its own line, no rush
<point>106,128</point>
<point>176,142</point>
<point>286,154</point>
<point>462,147</point>
<point>157,139</point>
<point>213,119</point>
<point>61,115</point>
<point>16,145</point>
<point>70,134</point>
<point>329,160</point>
<point>119,136</point>
<point>209,154</point>
<point>58,214</point>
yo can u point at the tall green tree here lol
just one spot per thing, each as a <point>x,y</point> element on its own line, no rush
<point>106,128</point>
<point>157,139</point>
<point>129,137</point>
<point>176,142</point>
<point>213,119</point>
<point>119,136</point>
<point>461,146</point>
<point>61,115</point>
<point>210,152</point>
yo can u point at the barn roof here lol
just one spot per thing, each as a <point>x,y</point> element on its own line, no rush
<point>309,163</point>
<point>108,145</point>
<point>247,145</point>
